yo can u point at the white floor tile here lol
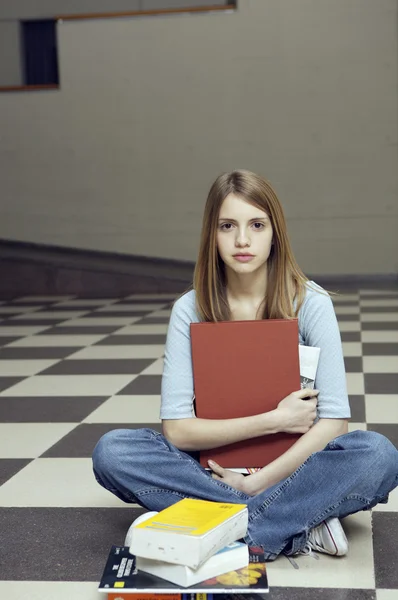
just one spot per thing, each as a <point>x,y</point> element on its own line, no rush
<point>346,310</point>
<point>69,385</point>
<point>43,298</point>
<point>381,408</point>
<point>144,297</point>
<point>380,364</point>
<point>50,590</point>
<point>55,315</point>
<point>144,308</point>
<point>356,426</point>
<point>127,409</point>
<point>349,326</point>
<point>355,383</point>
<point>380,303</point>
<point>19,309</point>
<point>142,330</point>
<point>352,571</point>
<point>57,341</point>
<point>29,440</point>
<point>15,330</point>
<point>386,594</point>
<point>391,506</point>
<point>155,368</point>
<point>352,348</point>
<point>345,298</point>
<point>379,337</point>
<point>87,302</point>
<point>102,321</point>
<point>366,292</point>
<point>115,352</point>
<point>57,482</point>
<point>24,368</point>
<point>161,313</point>
<point>382,317</point>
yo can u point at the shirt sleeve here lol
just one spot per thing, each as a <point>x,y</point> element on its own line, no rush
<point>320,329</point>
<point>177,388</point>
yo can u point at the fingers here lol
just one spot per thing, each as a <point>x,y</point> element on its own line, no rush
<point>307,393</point>
<point>215,468</point>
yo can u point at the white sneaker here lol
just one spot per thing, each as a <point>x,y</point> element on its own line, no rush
<point>328,537</point>
<point>140,519</point>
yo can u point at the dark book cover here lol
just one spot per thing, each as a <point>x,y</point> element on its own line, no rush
<point>121,575</point>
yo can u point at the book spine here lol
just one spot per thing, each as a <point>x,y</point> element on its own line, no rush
<point>134,596</point>
<point>140,596</point>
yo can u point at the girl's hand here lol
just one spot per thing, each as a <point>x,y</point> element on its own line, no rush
<point>235,480</point>
<point>296,414</point>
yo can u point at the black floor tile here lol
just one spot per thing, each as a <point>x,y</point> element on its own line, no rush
<point>385,535</point>
<point>41,352</point>
<point>8,468</point>
<point>346,302</point>
<point>80,442</point>
<point>143,384</point>
<point>81,330</point>
<point>357,405</point>
<point>31,322</point>
<point>130,314</point>
<point>5,340</point>
<point>350,336</point>
<point>148,302</point>
<point>132,340</point>
<point>39,548</point>
<point>7,382</point>
<point>48,409</point>
<point>110,366</point>
<point>65,309</point>
<point>389,430</point>
<point>353,364</point>
<point>381,383</point>
<point>348,317</point>
<point>379,326</point>
<point>380,349</point>
<point>153,321</point>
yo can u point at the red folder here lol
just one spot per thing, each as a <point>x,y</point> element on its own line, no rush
<point>244,368</point>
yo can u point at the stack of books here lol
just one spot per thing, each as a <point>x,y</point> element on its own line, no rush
<point>188,551</point>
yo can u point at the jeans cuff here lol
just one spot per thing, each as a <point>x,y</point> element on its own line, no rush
<point>297,544</point>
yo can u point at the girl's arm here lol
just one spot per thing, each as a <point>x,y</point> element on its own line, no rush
<point>204,434</point>
<point>292,415</point>
<point>315,440</point>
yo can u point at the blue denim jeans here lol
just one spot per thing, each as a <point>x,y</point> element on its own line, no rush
<point>354,472</point>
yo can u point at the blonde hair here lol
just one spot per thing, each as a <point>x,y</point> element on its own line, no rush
<point>286,282</point>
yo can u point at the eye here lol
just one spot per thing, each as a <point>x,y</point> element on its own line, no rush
<point>224,225</point>
<point>261,225</point>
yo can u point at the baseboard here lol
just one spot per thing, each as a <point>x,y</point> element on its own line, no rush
<point>29,268</point>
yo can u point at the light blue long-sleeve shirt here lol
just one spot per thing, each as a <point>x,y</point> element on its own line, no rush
<point>317,327</point>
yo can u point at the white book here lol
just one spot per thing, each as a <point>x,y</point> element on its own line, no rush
<point>189,532</point>
<point>230,558</point>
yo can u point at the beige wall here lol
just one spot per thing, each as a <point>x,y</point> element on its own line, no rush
<point>26,9</point>
<point>151,110</point>
<point>10,54</point>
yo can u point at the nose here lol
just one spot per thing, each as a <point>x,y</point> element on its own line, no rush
<point>242,238</point>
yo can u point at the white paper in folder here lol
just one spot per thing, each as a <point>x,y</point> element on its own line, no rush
<point>309,358</point>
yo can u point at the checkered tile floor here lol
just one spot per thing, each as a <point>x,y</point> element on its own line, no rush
<point>73,368</point>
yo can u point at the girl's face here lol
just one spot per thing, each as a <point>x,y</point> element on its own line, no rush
<point>243,229</point>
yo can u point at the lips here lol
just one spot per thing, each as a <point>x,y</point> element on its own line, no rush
<point>243,257</point>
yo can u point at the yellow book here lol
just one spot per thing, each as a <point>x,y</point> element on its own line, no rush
<point>189,532</point>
